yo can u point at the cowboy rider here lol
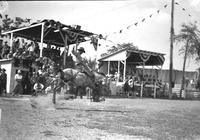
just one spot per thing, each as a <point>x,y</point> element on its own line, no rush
<point>80,65</point>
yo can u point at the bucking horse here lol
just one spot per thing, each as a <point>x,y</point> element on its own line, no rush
<point>81,80</point>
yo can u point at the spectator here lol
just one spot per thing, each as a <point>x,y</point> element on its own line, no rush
<point>18,88</point>
<point>16,44</point>
<point>3,81</point>
<point>5,50</point>
<point>1,45</point>
<point>21,44</point>
<point>130,86</point>
<point>26,83</point>
<point>31,48</point>
<point>38,87</point>
<point>37,49</point>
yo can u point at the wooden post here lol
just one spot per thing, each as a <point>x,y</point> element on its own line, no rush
<point>141,91</point>
<point>124,78</point>
<point>171,50</point>
<point>54,90</point>
<point>155,89</point>
<point>42,39</point>
<point>118,71</point>
<point>161,74</point>
<point>108,67</point>
<point>11,42</point>
<point>65,51</point>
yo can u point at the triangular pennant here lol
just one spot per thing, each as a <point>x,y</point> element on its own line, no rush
<point>158,11</point>
<point>136,24</point>
<point>143,19</point>
<point>183,9</point>
<point>100,36</point>
<point>128,26</point>
<point>151,15</point>
<point>106,37</point>
<point>176,3</point>
<point>165,6</point>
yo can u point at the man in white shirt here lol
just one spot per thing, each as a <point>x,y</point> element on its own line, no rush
<point>31,48</point>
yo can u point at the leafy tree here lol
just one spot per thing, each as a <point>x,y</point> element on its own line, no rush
<point>119,47</point>
<point>190,41</point>
<point>6,23</point>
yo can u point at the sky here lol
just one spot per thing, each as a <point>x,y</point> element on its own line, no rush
<point>109,17</point>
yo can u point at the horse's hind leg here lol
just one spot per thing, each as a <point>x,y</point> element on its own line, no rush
<point>81,92</point>
<point>75,92</point>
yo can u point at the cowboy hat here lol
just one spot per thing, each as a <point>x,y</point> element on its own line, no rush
<point>81,49</point>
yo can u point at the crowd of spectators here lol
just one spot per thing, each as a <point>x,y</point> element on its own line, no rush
<point>25,54</point>
<point>24,51</point>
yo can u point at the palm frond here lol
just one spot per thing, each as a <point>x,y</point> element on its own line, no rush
<point>189,37</point>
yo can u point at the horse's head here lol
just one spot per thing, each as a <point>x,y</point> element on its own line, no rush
<point>68,74</point>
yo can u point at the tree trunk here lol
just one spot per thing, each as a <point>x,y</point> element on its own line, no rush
<point>183,76</point>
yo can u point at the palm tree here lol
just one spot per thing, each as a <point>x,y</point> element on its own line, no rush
<point>189,38</point>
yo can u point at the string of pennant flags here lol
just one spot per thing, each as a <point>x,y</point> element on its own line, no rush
<point>144,19</point>
<point>94,40</point>
<point>135,23</point>
<point>185,10</point>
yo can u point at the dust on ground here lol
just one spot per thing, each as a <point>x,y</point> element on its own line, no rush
<point>36,118</point>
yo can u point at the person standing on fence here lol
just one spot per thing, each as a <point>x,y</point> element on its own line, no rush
<point>18,88</point>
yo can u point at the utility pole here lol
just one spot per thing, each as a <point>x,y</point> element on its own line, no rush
<point>171,50</point>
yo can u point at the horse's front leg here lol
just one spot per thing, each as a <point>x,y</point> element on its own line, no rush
<point>91,95</point>
<point>76,92</point>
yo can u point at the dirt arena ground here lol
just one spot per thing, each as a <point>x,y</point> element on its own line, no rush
<point>114,119</point>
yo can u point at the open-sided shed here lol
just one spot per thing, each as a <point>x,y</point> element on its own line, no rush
<point>46,31</point>
<point>132,56</point>
<point>52,32</point>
